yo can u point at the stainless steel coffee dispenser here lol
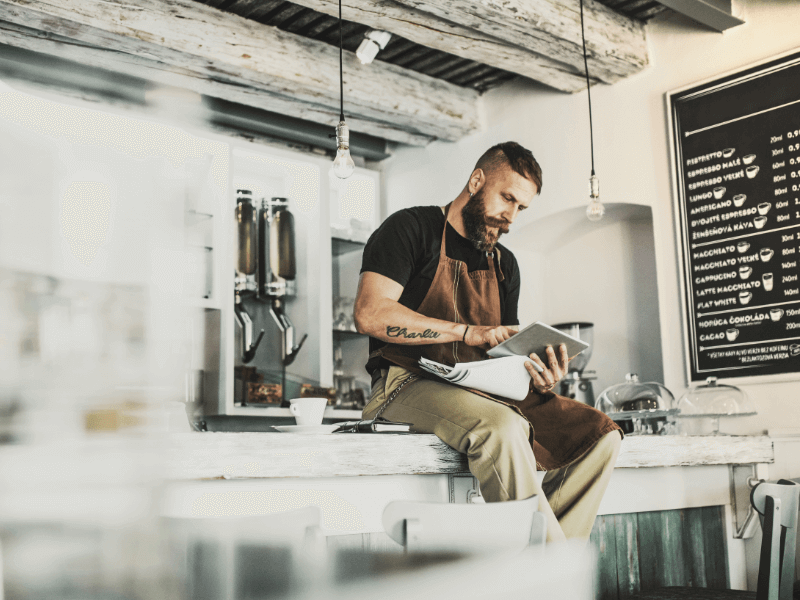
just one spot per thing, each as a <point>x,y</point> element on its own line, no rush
<point>277,268</point>
<point>246,269</point>
<point>265,268</point>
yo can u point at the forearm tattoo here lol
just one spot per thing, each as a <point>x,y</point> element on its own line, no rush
<point>403,332</point>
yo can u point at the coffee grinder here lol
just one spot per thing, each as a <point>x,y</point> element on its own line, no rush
<point>577,383</point>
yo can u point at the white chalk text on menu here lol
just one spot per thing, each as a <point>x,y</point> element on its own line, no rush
<point>736,143</point>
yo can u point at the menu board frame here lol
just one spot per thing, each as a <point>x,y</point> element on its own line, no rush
<point>723,84</point>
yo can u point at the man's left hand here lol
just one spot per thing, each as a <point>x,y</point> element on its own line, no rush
<point>552,372</point>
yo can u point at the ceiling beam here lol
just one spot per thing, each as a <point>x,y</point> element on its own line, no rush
<point>433,32</point>
<point>716,14</point>
<point>226,56</point>
<point>615,44</point>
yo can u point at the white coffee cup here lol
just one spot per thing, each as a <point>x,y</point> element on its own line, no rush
<point>745,297</point>
<point>308,411</point>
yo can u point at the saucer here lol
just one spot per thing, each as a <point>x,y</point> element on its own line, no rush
<point>306,428</point>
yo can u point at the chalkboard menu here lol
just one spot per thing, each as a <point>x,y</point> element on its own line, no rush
<point>736,148</point>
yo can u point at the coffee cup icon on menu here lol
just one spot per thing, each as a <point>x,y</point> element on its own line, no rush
<point>728,152</point>
<point>744,272</point>
<point>745,297</point>
<point>739,199</point>
<point>719,192</point>
<point>768,280</point>
<point>794,349</point>
<point>748,158</point>
<point>764,207</point>
<point>765,254</point>
<point>751,171</point>
<point>775,314</point>
<point>743,247</point>
<point>759,222</point>
<point>731,334</point>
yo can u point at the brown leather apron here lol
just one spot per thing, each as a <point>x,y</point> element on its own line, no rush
<point>565,429</point>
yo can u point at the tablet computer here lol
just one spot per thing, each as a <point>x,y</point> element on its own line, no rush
<point>536,337</point>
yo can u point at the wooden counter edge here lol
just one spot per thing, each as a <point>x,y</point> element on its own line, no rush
<point>193,456</point>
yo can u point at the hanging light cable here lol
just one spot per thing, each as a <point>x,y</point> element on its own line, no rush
<point>343,165</point>
<point>595,210</point>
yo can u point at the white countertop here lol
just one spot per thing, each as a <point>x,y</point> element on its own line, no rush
<point>193,456</point>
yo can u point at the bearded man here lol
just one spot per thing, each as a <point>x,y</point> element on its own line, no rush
<point>436,283</point>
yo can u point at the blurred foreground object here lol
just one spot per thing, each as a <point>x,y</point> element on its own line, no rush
<point>79,466</point>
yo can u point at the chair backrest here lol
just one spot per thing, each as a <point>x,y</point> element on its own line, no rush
<point>230,557</point>
<point>778,503</point>
<point>476,528</point>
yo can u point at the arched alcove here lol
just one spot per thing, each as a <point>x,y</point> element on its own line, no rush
<point>604,273</point>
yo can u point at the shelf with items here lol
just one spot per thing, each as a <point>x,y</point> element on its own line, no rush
<point>353,217</point>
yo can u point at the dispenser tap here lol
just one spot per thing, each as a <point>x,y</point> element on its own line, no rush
<point>243,319</point>
<point>288,350</point>
<point>295,349</point>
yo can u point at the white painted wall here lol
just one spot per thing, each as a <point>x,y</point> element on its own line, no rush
<point>632,161</point>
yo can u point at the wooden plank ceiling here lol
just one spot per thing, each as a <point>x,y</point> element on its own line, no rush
<point>283,57</point>
<point>400,51</point>
<point>464,72</point>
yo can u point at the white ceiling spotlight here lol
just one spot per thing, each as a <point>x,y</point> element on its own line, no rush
<point>373,42</point>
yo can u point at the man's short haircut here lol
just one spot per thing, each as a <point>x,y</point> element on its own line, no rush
<point>511,154</point>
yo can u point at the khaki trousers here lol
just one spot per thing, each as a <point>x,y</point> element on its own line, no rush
<point>495,440</point>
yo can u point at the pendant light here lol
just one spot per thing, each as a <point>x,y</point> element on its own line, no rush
<point>595,210</point>
<point>343,165</point>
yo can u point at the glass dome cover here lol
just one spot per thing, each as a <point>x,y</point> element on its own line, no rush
<point>711,399</point>
<point>635,396</point>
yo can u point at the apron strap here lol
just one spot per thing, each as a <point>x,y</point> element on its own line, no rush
<point>499,268</point>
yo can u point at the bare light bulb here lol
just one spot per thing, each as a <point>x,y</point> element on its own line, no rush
<point>595,210</point>
<point>343,165</point>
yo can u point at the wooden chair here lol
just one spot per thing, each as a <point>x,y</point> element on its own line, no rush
<point>778,504</point>
<point>467,528</point>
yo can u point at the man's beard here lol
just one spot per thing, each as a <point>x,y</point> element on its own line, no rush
<point>477,224</point>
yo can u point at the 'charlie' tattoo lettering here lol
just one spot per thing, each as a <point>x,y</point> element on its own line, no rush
<point>398,331</point>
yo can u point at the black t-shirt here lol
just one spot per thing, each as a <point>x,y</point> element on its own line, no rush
<point>405,248</point>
